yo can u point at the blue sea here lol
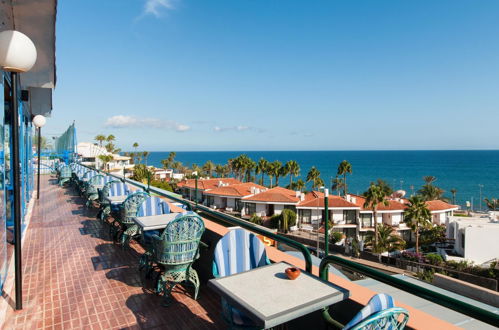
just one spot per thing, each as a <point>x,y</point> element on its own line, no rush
<point>463,170</point>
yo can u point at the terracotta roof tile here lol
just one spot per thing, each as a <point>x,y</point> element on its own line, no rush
<point>438,205</point>
<point>276,195</point>
<point>236,190</point>
<point>316,199</point>
<point>204,184</point>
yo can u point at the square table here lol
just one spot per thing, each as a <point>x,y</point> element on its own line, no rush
<point>269,298</point>
<point>116,199</point>
<point>154,222</point>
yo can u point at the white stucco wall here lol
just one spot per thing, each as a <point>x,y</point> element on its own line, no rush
<point>481,243</point>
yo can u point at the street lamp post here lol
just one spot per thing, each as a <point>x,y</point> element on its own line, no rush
<point>17,55</point>
<point>39,121</point>
<point>480,186</point>
<point>326,221</point>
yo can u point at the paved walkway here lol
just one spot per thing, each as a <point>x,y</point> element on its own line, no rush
<point>75,277</point>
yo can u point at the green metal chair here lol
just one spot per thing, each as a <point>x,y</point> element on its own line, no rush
<point>91,191</point>
<point>124,221</point>
<point>174,252</point>
<point>64,175</point>
<point>104,205</point>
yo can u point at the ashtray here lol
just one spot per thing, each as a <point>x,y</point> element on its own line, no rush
<point>292,273</point>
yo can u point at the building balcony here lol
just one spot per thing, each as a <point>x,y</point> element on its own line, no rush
<point>75,276</point>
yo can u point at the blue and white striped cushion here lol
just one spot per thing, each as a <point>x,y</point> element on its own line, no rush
<point>238,251</point>
<point>377,303</point>
<point>153,206</point>
<point>118,189</point>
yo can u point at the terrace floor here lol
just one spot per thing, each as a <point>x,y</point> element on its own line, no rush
<point>75,276</point>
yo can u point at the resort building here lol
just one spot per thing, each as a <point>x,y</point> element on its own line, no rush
<point>475,239</point>
<point>89,155</point>
<point>342,213</point>
<point>440,211</point>
<point>229,197</point>
<point>187,188</point>
<point>271,201</point>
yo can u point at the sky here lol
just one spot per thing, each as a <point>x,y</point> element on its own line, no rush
<point>279,75</point>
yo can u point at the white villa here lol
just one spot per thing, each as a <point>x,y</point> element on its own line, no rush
<point>228,197</point>
<point>187,187</point>
<point>475,238</point>
<point>90,152</point>
<point>270,202</point>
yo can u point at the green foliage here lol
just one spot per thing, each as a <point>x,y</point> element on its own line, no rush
<point>417,216</point>
<point>283,221</point>
<point>492,204</point>
<point>343,169</point>
<point>426,275</point>
<point>314,176</point>
<point>163,185</point>
<point>335,237</point>
<point>105,159</point>
<point>388,240</point>
<point>434,259</point>
<point>141,173</point>
<point>432,235</point>
<point>257,220</point>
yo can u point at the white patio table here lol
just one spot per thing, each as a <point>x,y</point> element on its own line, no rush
<point>269,298</point>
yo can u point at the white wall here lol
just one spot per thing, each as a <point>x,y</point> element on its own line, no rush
<point>337,216</point>
<point>481,243</point>
<point>392,219</point>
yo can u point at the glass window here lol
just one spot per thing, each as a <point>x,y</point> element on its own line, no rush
<point>305,216</point>
<point>250,208</point>
<point>366,219</point>
<point>350,216</point>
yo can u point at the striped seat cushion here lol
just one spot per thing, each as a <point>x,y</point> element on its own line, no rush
<point>238,251</point>
<point>377,303</point>
<point>153,206</point>
<point>118,189</point>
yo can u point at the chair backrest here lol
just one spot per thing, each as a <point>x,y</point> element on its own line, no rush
<point>179,242</point>
<point>131,206</point>
<point>65,172</point>
<point>98,179</point>
<point>379,310</point>
<point>118,188</point>
<point>89,174</point>
<point>238,251</point>
<point>153,206</point>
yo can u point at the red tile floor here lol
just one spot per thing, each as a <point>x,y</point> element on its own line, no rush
<point>75,277</point>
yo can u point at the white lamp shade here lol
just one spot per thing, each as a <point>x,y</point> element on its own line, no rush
<point>17,51</point>
<point>39,121</point>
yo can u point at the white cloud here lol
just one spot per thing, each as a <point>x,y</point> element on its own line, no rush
<point>239,128</point>
<point>156,7</point>
<point>123,121</point>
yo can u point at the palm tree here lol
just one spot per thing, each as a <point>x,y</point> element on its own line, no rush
<point>387,189</point>
<point>492,204</point>
<point>314,176</point>
<point>135,145</point>
<point>375,196</point>
<point>110,138</point>
<point>388,239</point>
<point>100,138</point>
<point>417,216</point>
<point>283,171</point>
<point>453,191</point>
<point>196,168</point>
<point>337,184</point>
<point>219,170</point>
<point>105,159</point>
<point>343,169</point>
<point>298,185</point>
<point>208,167</point>
<point>273,171</point>
<point>429,179</point>
<point>293,170</point>
<point>261,167</point>
<point>430,192</point>
<point>145,154</point>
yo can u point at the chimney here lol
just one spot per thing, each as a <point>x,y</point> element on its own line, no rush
<point>354,200</point>
<point>302,197</point>
<point>220,183</point>
<point>348,198</point>
<point>297,193</point>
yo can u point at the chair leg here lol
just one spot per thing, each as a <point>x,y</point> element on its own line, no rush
<point>194,279</point>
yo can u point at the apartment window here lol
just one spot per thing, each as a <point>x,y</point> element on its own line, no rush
<point>290,207</point>
<point>350,216</point>
<point>462,241</point>
<point>366,219</point>
<point>239,205</point>
<point>305,216</point>
<point>210,200</point>
<point>250,208</point>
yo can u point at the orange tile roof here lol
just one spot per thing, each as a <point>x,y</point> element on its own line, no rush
<point>316,199</point>
<point>438,205</point>
<point>276,195</point>
<point>236,190</point>
<point>204,184</point>
<point>392,204</point>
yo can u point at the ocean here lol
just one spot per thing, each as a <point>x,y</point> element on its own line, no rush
<point>462,170</point>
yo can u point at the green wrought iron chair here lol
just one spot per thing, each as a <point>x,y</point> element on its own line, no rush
<point>123,222</point>
<point>91,190</point>
<point>379,313</point>
<point>174,252</point>
<point>64,175</point>
<point>104,205</point>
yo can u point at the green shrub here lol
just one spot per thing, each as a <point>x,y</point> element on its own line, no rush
<point>256,219</point>
<point>434,259</point>
<point>335,237</point>
<point>162,185</point>
<point>283,221</point>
